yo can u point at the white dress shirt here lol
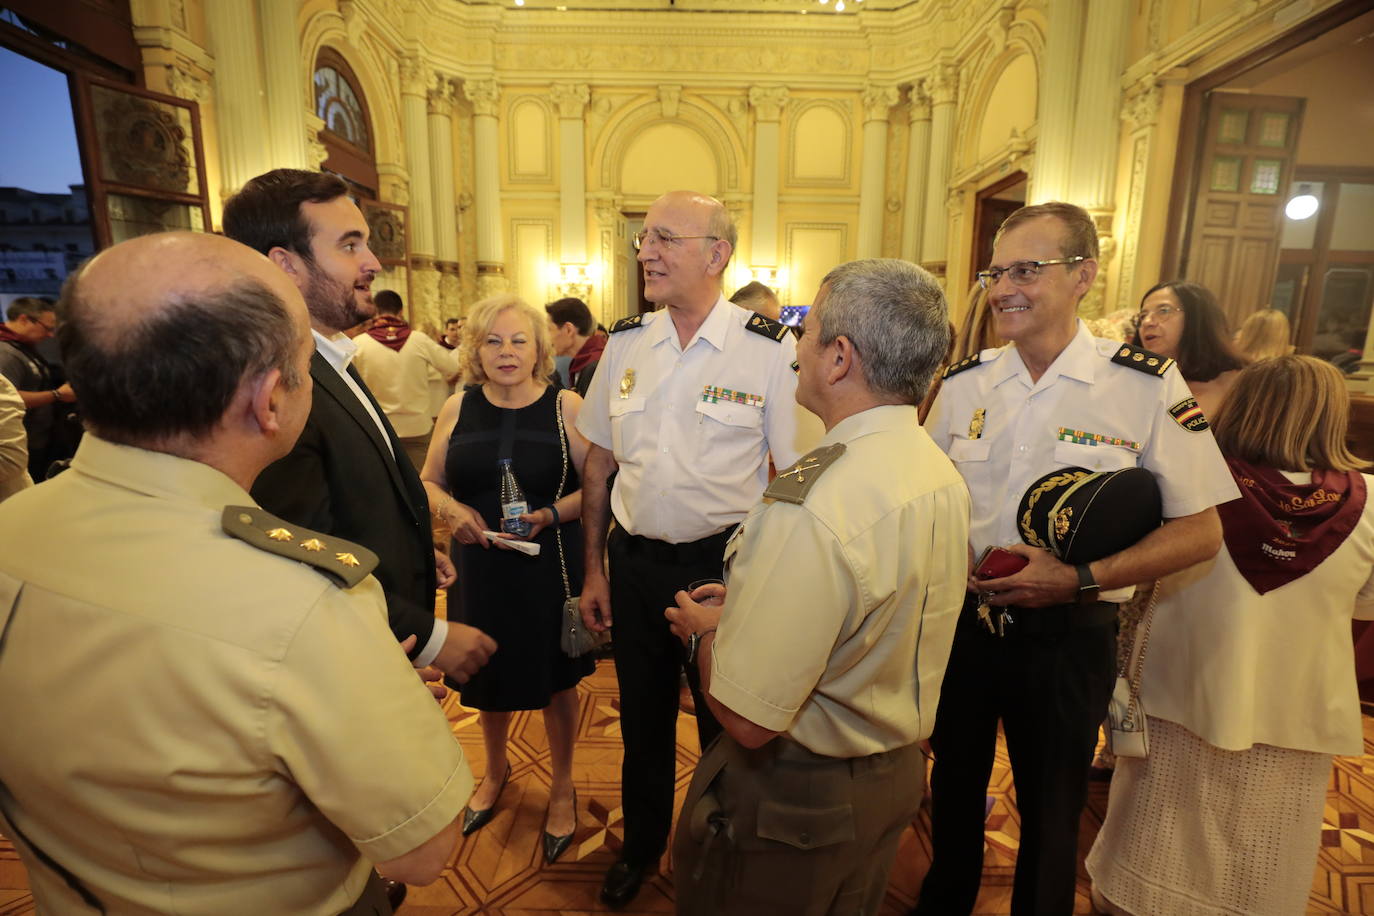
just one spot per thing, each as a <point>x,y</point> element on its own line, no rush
<point>693,463</point>
<point>1025,428</point>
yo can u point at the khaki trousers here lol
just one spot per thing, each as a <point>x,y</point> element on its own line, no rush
<point>785,831</point>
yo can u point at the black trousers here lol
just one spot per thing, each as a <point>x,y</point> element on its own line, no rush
<point>649,660</point>
<point>1050,689</point>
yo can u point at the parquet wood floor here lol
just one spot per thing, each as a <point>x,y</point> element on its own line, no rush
<point>499,871</point>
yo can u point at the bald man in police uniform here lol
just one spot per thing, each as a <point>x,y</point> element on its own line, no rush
<point>824,663</point>
<point>204,710</point>
<point>1043,659</point>
<point>687,404</point>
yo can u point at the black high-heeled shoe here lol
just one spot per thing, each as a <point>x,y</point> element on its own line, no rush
<point>555,846</point>
<point>476,820</point>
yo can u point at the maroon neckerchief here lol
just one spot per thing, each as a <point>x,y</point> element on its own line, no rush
<point>390,330</point>
<point>8,336</point>
<point>1278,531</point>
<point>591,350</point>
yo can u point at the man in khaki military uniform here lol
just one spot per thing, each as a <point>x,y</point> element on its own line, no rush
<point>824,663</point>
<point>204,711</point>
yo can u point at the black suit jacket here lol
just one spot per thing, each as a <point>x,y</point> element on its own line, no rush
<point>341,479</point>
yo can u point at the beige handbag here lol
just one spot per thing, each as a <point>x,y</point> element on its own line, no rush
<point>1126,733</point>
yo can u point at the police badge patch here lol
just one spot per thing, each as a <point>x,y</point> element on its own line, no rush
<point>1188,414</point>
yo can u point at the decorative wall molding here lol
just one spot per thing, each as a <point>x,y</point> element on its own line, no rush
<point>797,111</point>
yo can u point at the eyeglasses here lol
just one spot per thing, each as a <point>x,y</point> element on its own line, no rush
<point>50,328</point>
<point>663,239</point>
<point>1021,273</point>
<point>1160,314</point>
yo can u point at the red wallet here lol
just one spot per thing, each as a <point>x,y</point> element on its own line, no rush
<point>998,562</point>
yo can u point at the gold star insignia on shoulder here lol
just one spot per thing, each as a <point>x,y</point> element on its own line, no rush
<point>967,362</point>
<point>346,564</point>
<point>1142,360</point>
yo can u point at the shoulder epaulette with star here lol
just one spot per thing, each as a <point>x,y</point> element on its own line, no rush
<point>342,561</point>
<point>968,362</point>
<point>792,484</point>
<point>626,324</point>
<point>762,324</point>
<point>1142,360</point>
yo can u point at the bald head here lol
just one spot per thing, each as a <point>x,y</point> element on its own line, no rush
<point>159,332</point>
<point>715,221</point>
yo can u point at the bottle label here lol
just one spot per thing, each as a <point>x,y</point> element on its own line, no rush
<point>511,523</point>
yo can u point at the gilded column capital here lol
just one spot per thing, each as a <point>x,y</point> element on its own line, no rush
<point>571,99</point>
<point>920,102</point>
<point>441,96</point>
<point>768,101</point>
<point>1141,107</point>
<point>414,76</point>
<point>878,100</point>
<point>483,94</point>
<point>943,85</point>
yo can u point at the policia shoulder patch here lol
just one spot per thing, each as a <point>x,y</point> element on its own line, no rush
<point>1188,414</point>
<point>1142,360</point>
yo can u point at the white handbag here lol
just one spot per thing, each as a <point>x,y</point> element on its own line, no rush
<point>1126,733</point>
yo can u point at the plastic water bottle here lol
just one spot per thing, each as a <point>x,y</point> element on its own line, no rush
<point>513,503</point>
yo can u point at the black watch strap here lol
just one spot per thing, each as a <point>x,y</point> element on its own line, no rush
<point>1087,585</point>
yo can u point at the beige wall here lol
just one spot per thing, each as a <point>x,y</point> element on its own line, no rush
<point>668,105</point>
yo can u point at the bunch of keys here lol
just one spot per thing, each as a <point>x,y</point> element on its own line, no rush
<point>996,623</point>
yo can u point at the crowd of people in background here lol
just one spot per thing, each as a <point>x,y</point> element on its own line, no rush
<point>829,533</point>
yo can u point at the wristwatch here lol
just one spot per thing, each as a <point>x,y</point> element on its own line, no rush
<point>1087,585</point>
<point>694,641</point>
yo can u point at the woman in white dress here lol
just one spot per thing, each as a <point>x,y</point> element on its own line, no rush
<point>1249,678</point>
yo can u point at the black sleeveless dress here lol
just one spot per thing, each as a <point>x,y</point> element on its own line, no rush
<point>515,599</point>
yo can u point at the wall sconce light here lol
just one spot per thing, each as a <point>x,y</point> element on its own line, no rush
<point>775,278</point>
<point>574,280</point>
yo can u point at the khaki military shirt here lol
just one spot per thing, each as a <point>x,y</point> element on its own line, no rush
<point>191,724</point>
<point>840,610</point>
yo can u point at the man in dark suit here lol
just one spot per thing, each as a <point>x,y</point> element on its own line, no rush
<point>347,474</point>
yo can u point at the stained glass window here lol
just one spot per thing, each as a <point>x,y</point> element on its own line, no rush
<point>1225,174</point>
<point>337,104</point>
<point>1231,125</point>
<point>1265,179</point>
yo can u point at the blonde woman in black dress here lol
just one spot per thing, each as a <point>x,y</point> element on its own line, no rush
<point>509,410</point>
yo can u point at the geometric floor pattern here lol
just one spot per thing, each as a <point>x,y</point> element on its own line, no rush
<point>499,871</point>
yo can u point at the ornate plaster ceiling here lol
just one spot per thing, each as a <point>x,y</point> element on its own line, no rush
<point>811,7</point>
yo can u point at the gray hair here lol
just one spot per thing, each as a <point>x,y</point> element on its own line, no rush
<point>895,315</point>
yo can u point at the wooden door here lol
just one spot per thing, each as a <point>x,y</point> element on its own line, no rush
<point>1247,163</point>
<point>994,204</point>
